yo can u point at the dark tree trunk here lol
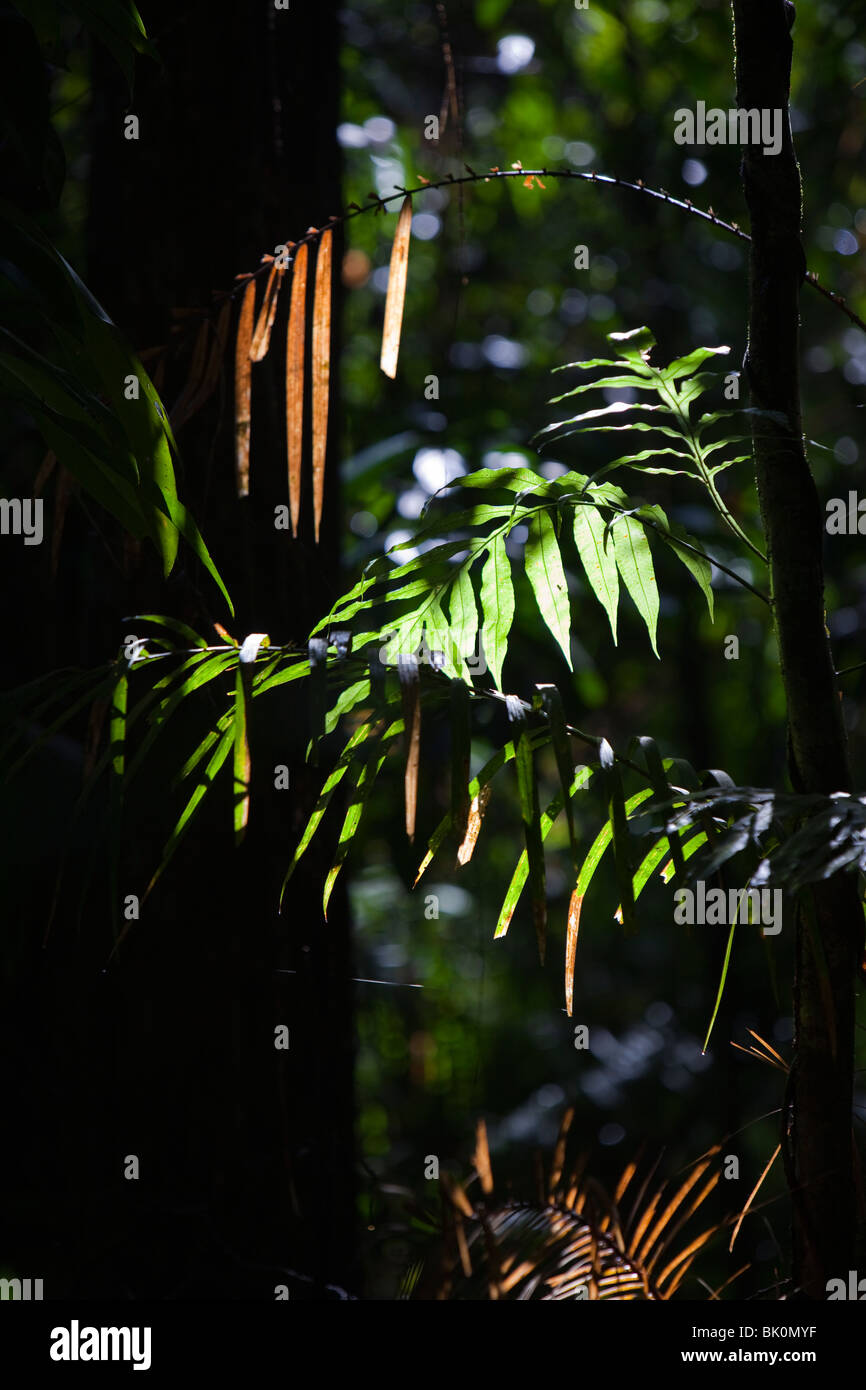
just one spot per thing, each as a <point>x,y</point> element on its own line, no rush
<point>830,923</point>
<point>247,1157</point>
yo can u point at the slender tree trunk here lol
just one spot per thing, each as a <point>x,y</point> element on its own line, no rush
<point>830,922</point>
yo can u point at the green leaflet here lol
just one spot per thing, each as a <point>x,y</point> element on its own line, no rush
<point>615,408</point>
<point>596,550</point>
<point>634,562</point>
<point>547,577</point>
<point>368,772</point>
<point>509,479</point>
<point>173,624</point>
<point>296,671</point>
<point>331,783</point>
<point>117,733</point>
<point>669,870</point>
<point>242,769</point>
<point>722,980</point>
<point>637,460</point>
<point>581,777</point>
<point>674,535</point>
<point>684,366</point>
<point>485,776</point>
<point>497,605</point>
<point>118,445</point>
<point>618,820</point>
<point>226,721</point>
<point>635,344</point>
<point>117,24</point>
<point>205,668</point>
<point>531,816</point>
<point>355,694</point>
<point>601,842</point>
<point>552,703</point>
<point>461,743</point>
<point>630,382</point>
<point>662,790</point>
<point>463,616</point>
<point>186,815</point>
<point>650,861</point>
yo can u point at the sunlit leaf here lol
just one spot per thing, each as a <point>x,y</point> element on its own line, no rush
<point>547,577</point>
<point>396,296</point>
<point>595,547</point>
<point>634,562</point>
<point>295,380</point>
<point>321,367</point>
<point>497,606</point>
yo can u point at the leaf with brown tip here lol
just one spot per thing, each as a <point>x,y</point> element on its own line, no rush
<point>295,380</point>
<point>262,335</point>
<point>242,389</point>
<point>574,906</point>
<point>321,371</point>
<point>396,296</point>
<point>473,827</point>
<point>410,691</point>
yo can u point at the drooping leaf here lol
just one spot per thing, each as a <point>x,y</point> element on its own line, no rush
<point>463,615</point>
<point>173,624</point>
<point>497,606</point>
<point>596,550</point>
<point>575,903</point>
<point>202,668</point>
<point>117,731</point>
<point>726,962</point>
<point>601,842</point>
<point>262,335</point>
<point>410,695</point>
<point>368,771</point>
<point>634,562</point>
<point>477,807</point>
<point>579,780</point>
<point>461,741</point>
<point>684,547</point>
<point>350,751</point>
<point>552,703</point>
<point>547,577</point>
<point>396,296</point>
<point>183,823</point>
<point>662,790</point>
<point>243,389</point>
<point>295,381</point>
<point>243,694</point>
<point>321,371</point>
<point>317,653</point>
<point>684,366</point>
<point>618,819</point>
<point>241,793</point>
<point>531,817</point>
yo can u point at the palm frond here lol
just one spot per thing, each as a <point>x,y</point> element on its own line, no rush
<point>575,1245</point>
